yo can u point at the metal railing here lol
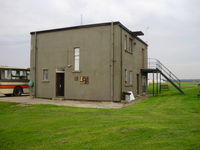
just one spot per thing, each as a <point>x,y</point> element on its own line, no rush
<point>156,64</point>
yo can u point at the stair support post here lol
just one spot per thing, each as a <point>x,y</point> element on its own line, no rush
<point>157,83</point>
<point>153,84</point>
<point>160,83</point>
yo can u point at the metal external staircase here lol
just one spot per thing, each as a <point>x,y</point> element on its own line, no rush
<point>155,66</point>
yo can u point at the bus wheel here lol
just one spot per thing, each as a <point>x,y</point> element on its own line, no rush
<point>17,91</point>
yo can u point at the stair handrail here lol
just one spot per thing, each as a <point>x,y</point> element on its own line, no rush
<point>161,67</point>
<point>169,71</point>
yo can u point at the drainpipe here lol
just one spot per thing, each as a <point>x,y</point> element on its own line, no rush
<point>112,62</point>
<point>121,63</point>
<point>35,63</point>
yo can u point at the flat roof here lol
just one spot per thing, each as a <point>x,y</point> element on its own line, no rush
<point>135,34</point>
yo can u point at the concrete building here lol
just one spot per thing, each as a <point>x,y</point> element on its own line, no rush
<point>88,62</point>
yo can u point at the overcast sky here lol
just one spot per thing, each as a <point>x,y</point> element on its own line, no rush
<point>171,27</point>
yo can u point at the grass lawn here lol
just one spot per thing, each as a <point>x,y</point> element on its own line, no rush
<point>170,121</point>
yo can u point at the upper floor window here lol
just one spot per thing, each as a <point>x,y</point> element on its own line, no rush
<point>130,45</point>
<point>143,58</point>
<point>125,43</point>
<point>76,59</point>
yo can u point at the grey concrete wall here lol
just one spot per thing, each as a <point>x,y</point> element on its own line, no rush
<point>56,50</point>
<point>32,64</point>
<point>133,62</point>
<point>138,61</point>
<point>117,63</point>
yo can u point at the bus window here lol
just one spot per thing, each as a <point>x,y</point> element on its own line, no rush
<point>17,74</point>
<point>28,75</point>
<point>2,74</point>
<point>22,74</point>
<point>5,74</point>
<point>8,75</point>
<point>13,74</point>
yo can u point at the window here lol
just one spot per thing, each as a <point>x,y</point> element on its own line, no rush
<point>22,74</point>
<point>5,74</point>
<point>130,45</point>
<point>2,74</point>
<point>130,77</point>
<point>143,58</point>
<point>28,75</point>
<point>77,59</point>
<point>126,76</point>
<point>125,43</point>
<point>45,74</point>
<point>15,75</point>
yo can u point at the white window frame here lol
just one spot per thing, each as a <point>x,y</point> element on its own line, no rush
<point>45,74</point>
<point>77,59</point>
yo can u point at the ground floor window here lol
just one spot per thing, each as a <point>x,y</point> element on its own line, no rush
<point>131,77</point>
<point>45,74</point>
<point>128,77</point>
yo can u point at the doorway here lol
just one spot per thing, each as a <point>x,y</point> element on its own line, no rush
<point>138,84</point>
<point>60,78</point>
<point>144,83</point>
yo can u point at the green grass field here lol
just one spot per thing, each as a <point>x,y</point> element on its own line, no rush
<point>170,121</point>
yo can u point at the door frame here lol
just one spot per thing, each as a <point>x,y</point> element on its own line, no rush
<point>59,71</point>
<point>144,83</point>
